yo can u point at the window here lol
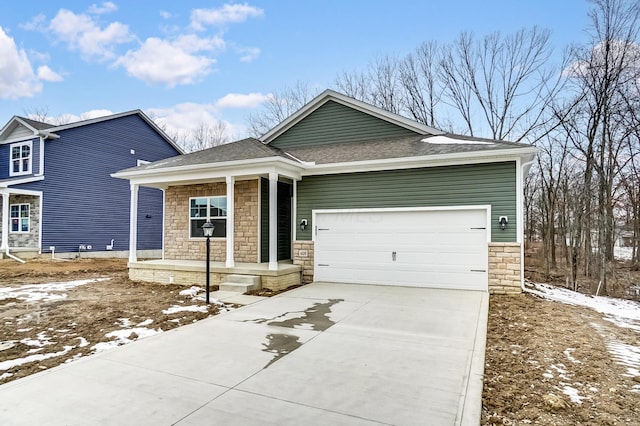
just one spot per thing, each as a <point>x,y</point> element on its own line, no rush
<point>20,158</point>
<point>212,208</point>
<point>19,217</point>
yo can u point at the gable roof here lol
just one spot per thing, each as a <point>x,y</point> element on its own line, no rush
<point>330,95</point>
<point>38,128</point>
<point>420,146</point>
<point>245,149</point>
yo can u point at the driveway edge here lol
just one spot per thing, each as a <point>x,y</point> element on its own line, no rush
<point>471,401</point>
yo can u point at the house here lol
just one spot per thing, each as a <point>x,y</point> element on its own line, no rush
<point>57,193</point>
<point>343,191</point>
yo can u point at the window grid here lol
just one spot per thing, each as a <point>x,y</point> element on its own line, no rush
<point>20,158</point>
<point>212,208</point>
<point>20,221</point>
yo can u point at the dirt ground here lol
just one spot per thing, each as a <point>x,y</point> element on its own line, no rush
<point>87,314</point>
<point>535,347</point>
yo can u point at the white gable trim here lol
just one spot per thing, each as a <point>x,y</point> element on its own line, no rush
<point>330,95</point>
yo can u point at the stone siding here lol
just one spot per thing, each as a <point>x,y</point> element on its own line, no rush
<point>178,245</point>
<point>303,256</point>
<point>505,268</point>
<point>29,239</point>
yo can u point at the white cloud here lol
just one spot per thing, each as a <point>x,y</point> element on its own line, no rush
<point>239,100</point>
<point>106,7</point>
<point>36,23</point>
<point>170,63</point>
<point>228,13</point>
<point>182,119</point>
<point>95,113</point>
<point>17,78</point>
<point>47,74</point>
<point>248,54</point>
<point>82,33</point>
<point>164,14</point>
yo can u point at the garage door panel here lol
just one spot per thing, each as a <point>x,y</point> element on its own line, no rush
<point>410,248</point>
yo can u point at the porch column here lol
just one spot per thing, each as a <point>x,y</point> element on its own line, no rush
<point>5,220</point>
<point>273,221</point>
<point>133,224</point>
<point>230,221</point>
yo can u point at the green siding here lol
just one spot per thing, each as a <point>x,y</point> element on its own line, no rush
<point>493,183</point>
<point>334,122</point>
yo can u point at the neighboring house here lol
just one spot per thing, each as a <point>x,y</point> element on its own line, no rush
<point>343,191</point>
<point>56,192</point>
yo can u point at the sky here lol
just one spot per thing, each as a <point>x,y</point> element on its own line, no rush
<point>185,63</point>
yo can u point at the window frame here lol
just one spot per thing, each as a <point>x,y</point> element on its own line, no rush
<point>21,159</point>
<point>208,216</point>
<point>20,218</point>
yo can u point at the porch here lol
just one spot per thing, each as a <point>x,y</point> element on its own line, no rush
<point>193,272</point>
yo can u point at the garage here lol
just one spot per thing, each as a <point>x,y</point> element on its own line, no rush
<point>434,247</point>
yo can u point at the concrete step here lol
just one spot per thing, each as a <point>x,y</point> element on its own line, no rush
<point>239,287</point>
<point>243,279</point>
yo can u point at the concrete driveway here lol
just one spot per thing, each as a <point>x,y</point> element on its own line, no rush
<point>336,354</point>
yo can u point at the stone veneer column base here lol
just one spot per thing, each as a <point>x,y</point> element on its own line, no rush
<point>303,256</point>
<point>505,260</point>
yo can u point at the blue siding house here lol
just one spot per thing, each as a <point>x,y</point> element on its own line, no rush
<point>57,193</point>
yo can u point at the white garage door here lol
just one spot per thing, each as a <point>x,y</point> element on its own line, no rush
<point>420,248</point>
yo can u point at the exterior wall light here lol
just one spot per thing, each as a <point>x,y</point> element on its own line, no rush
<point>503,221</point>
<point>207,230</point>
<point>303,224</point>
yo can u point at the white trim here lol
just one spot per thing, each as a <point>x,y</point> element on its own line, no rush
<point>520,214</point>
<point>486,207</point>
<point>5,219</point>
<point>226,197</point>
<point>28,143</point>
<point>331,95</point>
<point>41,162</point>
<point>440,160</point>
<point>259,259</point>
<point>230,261</point>
<point>41,208</point>
<point>273,221</point>
<point>133,224</point>
<point>140,162</point>
<point>19,231</point>
<point>8,183</point>
<point>164,211</point>
<point>294,215</point>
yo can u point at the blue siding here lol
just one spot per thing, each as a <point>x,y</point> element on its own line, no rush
<point>82,203</point>
<point>5,155</point>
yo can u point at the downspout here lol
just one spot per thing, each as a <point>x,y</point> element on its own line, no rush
<point>523,166</point>
<point>17,259</point>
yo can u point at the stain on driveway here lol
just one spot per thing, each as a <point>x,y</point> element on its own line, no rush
<point>315,317</point>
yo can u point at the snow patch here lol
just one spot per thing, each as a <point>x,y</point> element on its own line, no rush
<point>623,253</point>
<point>567,353</point>
<point>145,323</point>
<point>6,365</point>
<point>623,313</point>
<point>43,292</point>
<point>444,140</point>
<point>192,291</point>
<point>83,342</point>
<point>573,394</point>
<point>191,308</point>
<point>122,337</point>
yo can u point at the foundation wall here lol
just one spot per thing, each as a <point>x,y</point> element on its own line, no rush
<point>505,268</point>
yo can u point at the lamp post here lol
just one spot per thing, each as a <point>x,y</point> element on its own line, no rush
<point>207,230</point>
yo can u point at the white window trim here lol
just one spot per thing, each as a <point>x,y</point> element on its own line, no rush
<point>208,217</point>
<point>142,162</point>
<point>19,231</point>
<point>21,172</point>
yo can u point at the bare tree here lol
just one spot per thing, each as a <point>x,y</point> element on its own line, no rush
<point>207,136</point>
<point>279,106</point>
